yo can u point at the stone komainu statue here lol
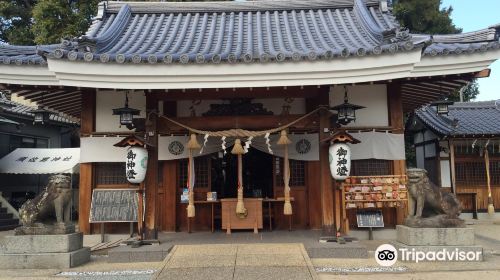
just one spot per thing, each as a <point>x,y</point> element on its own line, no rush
<point>429,205</point>
<point>54,201</point>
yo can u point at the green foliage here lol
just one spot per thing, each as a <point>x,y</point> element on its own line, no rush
<point>15,22</point>
<point>29,22</point>
<point>469,93</point>
<point>425,16</point>
<point>56,19</point>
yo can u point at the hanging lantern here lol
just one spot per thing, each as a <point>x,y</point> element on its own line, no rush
<point>442,106</point>
<point>41,115</point>
<point>340,161</point>
<point>126,114</point>
<point>346,112</point>
<point>339,154</point>
<point>136,164</point>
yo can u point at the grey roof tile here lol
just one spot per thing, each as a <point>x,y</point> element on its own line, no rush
<point>245,31</point>
<point>472,118</point>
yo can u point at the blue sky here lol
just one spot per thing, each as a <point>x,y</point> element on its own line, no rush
<point>474,15</point>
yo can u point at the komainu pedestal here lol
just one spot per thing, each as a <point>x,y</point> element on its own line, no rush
<point>47,238</point>
<point>433,225</point>
<point>43,251</point>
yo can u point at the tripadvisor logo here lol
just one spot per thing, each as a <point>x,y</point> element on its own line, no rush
<point>387,255</point>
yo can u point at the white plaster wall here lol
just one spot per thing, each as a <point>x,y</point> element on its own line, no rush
<point>445,174</point>
<point>373,97</point>
<point>107,100</point>
<point>430,150</point>
<point>275,105</point>
<point>420,156</point>
<point>444,144</point>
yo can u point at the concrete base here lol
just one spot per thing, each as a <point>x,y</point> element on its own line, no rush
<point>465,251</point>
<point>43,251</point>
<point>45,260</point>
<point>435,236</point>
<point>145,253</point>
<point>19,244</point>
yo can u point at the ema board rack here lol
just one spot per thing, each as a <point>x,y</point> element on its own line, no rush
<point>364,192</point>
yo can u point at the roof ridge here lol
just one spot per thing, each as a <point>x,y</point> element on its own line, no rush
<point>232,6</point>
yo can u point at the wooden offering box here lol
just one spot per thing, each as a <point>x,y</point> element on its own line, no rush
<point>230,220</point>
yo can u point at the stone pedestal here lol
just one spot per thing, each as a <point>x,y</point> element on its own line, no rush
<point>436,240</point>
<point>43,251</point>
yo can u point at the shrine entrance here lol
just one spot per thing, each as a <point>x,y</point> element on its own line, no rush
<point>257,174</point>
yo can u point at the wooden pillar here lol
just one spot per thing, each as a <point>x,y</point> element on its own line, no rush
<point>170,195</point>
<point>451,148</point>
<point>396,121</point>
<point>87,125</point>
<point>151,182</point>
<point>326,189</point>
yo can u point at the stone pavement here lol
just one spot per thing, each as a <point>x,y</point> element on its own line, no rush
<point>238,261</point>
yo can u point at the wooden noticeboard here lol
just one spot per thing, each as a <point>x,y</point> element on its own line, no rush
<point>114,205</point>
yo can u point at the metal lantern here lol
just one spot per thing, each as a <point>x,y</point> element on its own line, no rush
<point>340,160</point>
<point>126,114</point>
<point>41,115</point>
<point>442,106</point>
<point>136,164</point>
<point>346,112</point>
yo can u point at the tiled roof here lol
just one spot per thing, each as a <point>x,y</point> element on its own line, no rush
<point>21,110</point>
<point>24,54</point>
<point>245,32</point>
<point>464,119</point>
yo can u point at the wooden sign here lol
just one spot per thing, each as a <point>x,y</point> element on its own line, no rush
<point>114,205</point>
<point>370,219</point>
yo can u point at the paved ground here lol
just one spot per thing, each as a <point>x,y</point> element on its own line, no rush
<point>238,261</point>
<point>234,263</point>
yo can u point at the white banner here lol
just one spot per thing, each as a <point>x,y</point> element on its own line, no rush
<point>378,145</point>
<point>101,149</point>
<point>303,147</point>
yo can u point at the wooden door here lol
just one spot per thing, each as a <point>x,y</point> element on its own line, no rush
<point>298,190</point>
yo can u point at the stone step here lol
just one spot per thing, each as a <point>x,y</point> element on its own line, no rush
<point>3,210</point>
<point>7,222</point>
<point>5,216</point>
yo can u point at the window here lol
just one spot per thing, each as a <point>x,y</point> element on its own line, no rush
<point>202,170</point>
<point>371,167</point>
<point>17,141</point>
<point>470,173</point>
<point>110,173</point>
<point>297,172</point>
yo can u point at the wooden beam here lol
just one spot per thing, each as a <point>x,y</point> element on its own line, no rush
<point>87,125</point>
<point>224,122</point>
<point>228,93</point>
<point>485,73</point>
<point>46,96</point>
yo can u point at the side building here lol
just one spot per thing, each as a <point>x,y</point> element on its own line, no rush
<point>452,148</point>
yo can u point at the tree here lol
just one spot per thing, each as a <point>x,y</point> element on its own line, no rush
<point>29,22</point>
<point>425,16</point>
<point>15,22</point>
